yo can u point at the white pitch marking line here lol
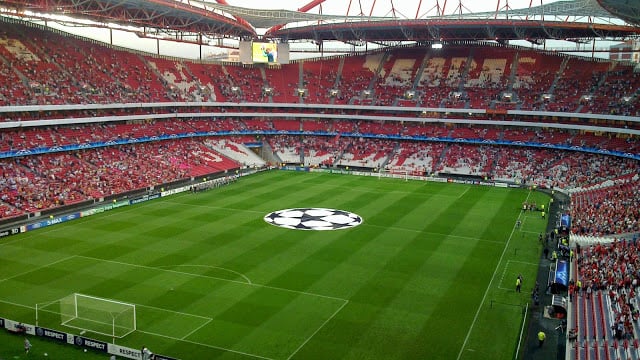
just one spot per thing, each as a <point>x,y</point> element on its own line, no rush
<point>318,329</point>
<point>38,268</point>
<point>211,267</point>
<point>522,262</point>
<point>486,292</point>
<point>206,345</point>
<point>167,336</point>
<point>464,192</point>
<point>432,233</point>
<point>174,312</point>
<point>504,273</point>
<point>196,329</point>
<point>16,304</point>
<point>213,277</point>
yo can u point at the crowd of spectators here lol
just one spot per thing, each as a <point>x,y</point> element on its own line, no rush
<point>34,183</point>
<point>37,71</point>
<point>612,269</point>
<point>612,209</point>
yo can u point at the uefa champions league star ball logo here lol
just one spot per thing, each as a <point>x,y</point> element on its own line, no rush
<point>313,219</point>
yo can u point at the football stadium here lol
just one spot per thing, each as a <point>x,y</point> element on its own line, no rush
<point>423,179</point>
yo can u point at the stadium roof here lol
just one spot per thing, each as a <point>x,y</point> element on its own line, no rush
<point>158,14</point>
<point>628,10</point>
<point>568,19</point>
<point>456,30</point>
<point>264,19</point>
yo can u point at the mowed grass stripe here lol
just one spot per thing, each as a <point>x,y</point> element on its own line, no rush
<point>472,273</point>
<point>404,270</point>
<point>307,269</point>
<point>301,245</point>
<point>440,272</point>
<point>262,316</point>
<point>508,305</point>
<point>285,240</point>
<point>398,258</point>
<point>428,278</point>
<point>246,257</point>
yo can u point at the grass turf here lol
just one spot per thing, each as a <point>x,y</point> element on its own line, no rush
<point>429,274</point>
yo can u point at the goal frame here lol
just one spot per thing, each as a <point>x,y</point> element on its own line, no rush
<point>114,316</point>
<point>393,174</point>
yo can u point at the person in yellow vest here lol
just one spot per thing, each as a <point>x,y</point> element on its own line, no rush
<point>543,214</point>
<point>541,337</point>
<point>518,283</point>
<point>579,287</point>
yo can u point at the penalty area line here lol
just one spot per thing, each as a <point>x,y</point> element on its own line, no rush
<point>252,284</point>
<point>207,345</point>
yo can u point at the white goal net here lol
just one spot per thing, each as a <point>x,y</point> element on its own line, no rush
<point>98,315</point>
<point>393,173</point>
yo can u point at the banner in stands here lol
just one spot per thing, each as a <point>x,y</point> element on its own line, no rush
<point>91,344</point>
<point>55,335</point>
<point>565,220</point>
<point>100,144</point>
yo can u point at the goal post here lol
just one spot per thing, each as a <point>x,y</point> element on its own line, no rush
<point>395,173</point>
<point>98,315</point>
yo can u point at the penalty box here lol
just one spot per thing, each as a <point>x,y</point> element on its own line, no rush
<point>233,315</point>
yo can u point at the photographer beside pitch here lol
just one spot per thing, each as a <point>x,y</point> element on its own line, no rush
<point>146,353</point>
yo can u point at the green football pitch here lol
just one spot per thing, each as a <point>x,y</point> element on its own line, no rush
<point>429,274</point>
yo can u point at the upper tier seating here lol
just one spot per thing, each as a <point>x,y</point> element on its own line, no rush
<point>49,68</point>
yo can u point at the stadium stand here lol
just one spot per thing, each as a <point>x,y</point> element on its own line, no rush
<point>469,76</point>
<point>604,309</point>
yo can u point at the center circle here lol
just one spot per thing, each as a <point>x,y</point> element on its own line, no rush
<point>313,219</point>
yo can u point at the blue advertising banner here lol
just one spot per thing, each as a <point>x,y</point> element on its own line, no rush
<point>46,150</point>
<point>562,273</point>
<point>52,221</point>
